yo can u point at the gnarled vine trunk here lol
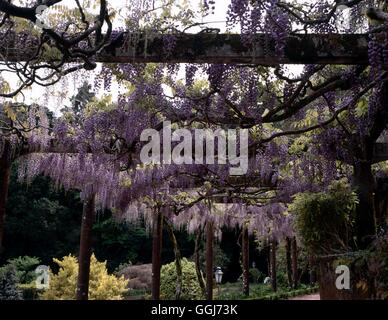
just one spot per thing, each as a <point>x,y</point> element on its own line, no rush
<point>178,264</point>
<point>85,248</point>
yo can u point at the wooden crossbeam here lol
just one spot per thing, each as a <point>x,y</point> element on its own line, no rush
<point>345,49</point>
<point>380,152</point>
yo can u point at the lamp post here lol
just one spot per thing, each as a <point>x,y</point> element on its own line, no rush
<point>218,275</point>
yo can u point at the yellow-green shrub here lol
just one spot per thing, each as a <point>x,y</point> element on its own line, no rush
<point>102,286</point>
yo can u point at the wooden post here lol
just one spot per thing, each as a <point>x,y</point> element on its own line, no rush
<point>209,259</point>
<point>156,254</point>
<point>85,248</point>
<point>273,266</point>
<point>197,262</point>
<point>288,262</point>
<point>294,259</point>
<point>313,276</point>
<point>5,172</point>
<point>245,256</point>
<point>364,183</point>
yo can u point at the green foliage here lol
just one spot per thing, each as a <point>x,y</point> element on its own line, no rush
<point>233,291</point>
<point>102,286</point>
<point>78,103</point>
<point>378,265</point>
<point>255,275</point>
<point>9,284</point>
<point>190,286</point>
<point>24,267</point>
<point>42,221</point>
<point>324,219</point>
<point>120,243</point>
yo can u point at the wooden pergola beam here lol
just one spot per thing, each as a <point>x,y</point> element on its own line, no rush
<point>230,48</point>
<point>345,49</point>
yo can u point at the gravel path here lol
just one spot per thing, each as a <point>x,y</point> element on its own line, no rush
<point>307,297</point>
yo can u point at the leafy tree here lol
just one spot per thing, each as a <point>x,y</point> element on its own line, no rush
<point>102,286</point>
<point>324,220</point>
<point>79,102</point>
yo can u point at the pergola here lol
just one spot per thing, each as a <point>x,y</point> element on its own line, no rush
<point>333,49</point>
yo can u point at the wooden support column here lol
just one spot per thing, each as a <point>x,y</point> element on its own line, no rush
<point>209,259</point>
<point>178,258</point>
<point>5,172</point>
<point>288,262</point>
<point>313,275</point>
<point>273,265</point>
<point>245,256</point>
<point>156,254</point>
<point>294,259</point>
<point>85,248</point>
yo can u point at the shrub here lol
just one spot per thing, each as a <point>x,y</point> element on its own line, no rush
<point>190,286</point>
<point>255,275</point>
<point>9,289</point>
<point>102,286</point>
<point>139,276</point>
<point>25,276</point>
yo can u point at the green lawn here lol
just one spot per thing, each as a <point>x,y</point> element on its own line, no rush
<point>231,291</point>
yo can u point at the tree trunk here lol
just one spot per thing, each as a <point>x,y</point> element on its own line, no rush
<point>288,262</point>
<point>245,255</point>
<point>294,260</point>
<point>273,266</point>
<point>5,172</point>
<point>85,248</point>
<point>201,281</point>
<point>156,254</point>
<point>178,264</point>
<point>313,275</point>
<point>209,259</point>
<point>365,214</point>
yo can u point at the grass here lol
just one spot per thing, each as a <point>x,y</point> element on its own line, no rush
<point>259,291</point>
<point>233,291</point>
